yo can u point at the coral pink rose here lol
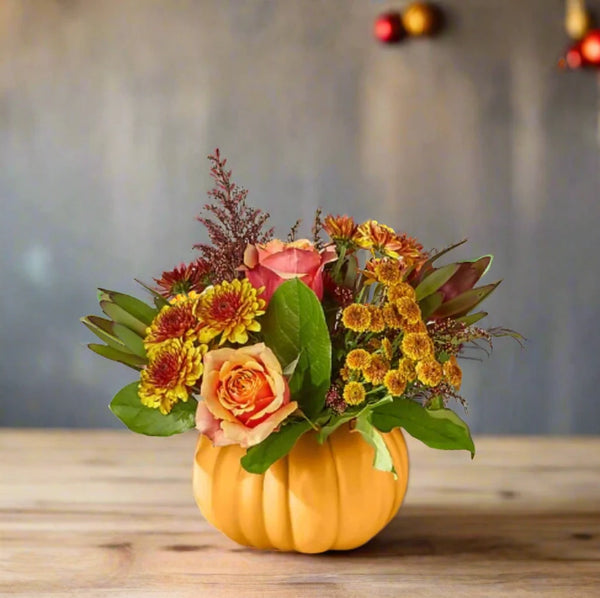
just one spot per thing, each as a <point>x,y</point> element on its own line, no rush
<point>245,396</point>
<point>268,265</point>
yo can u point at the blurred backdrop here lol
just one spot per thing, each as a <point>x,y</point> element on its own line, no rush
<point>108,109</point>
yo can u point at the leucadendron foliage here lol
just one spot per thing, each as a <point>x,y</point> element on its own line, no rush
<point>261,340</point>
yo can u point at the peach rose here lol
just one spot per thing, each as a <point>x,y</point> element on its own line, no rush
<point>245,396</point>
<point>268,265</point>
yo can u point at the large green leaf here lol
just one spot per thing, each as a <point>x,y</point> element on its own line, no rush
<point>260,457</point>
<point>472,318</point>
<point>133,361</point>
<point>382,460</point>
<point>127,406</point>
<point>138,309</point>
<point>439,428</point>
<point>294,327</point>
<point>431,283</point>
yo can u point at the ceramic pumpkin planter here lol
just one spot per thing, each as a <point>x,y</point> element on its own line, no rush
<point>317,498</point>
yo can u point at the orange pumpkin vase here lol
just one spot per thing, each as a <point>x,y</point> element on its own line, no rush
<point>319,497</point>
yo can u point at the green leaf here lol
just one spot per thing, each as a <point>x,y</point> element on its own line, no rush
<point>133,361</point>
<point>294,327</point>
<point>159,300</point>
<point>435,280</point>
<point>102,328</point>
<point>338,420</point>
<point>439,428</point>
<point>465,302</point>
<point>127,406</point>
<point>120,316</point>
<point>472,318</point>
<point>138,309</point>
<point>260,457</point>
<point>430,304</point>
<point>383,460</point>
<point>132,341</point>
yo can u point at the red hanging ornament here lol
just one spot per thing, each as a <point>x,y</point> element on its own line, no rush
<point>590,48</point>
<point>388,28</point>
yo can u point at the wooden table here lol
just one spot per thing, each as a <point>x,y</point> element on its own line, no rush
<point>110,513</point>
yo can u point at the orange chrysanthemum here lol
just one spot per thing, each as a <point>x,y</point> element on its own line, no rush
<point>429,372</point>
<point>417,345</point>
<point>389,271</point>
<point>391,317</point>
<point>357,359</point>
<point>377,237</point>
<point>387,348</point>
<point>452,372</point>
<point>173,369</point>
<point>409,310</point>
<point>229,309</point>
<point>376,369</point>
<point>418,326</point>
<point>177,320</point>
<point>399,290</point>
<point>407,367</point>
<point>340,228</point>
<point>354,393</point>
<point>377,320</point>
<point>356,317</point>
<point>395,382</point>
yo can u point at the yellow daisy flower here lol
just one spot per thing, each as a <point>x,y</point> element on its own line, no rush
<point>398,290</point>
<point>452,372</point>
<point>357,359</point>
<point>377,320</point>
<point>376,369</point>
<point>408,309</point>
<point>407,368</point>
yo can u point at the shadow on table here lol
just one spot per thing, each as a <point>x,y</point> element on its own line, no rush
<point>485,535</point>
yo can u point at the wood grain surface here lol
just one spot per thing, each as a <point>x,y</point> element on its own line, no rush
<point>107,514</point>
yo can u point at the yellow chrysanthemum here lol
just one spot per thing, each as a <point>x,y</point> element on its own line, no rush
<point>177,320</point>
<point>395,382</point>
<point>417,345</point>
<point>399,290</point>
<point>173,369</point>
<point>184,297</point>
<point>376,369</point>
<point>452,372</point>
<point>345,373</point>
<point>429,372</point>
<point>356,317</point>
<point>408,309</point>
<point>387,348</point>
<point>357,359</point>
<point>418,326</point>
<point>229,309</point>
<point>407,368</point>
<point>389,272</point>
<point>377,321</point>
<point>392,317</point>
<point>354,393</point>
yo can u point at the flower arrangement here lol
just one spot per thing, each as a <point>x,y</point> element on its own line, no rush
<point>261,340</point>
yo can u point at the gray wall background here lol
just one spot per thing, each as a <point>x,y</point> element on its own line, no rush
<point>108,109</point>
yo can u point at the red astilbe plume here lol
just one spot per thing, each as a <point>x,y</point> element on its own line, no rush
<point>234,225</point>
